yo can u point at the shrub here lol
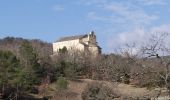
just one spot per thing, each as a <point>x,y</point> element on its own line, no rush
<point>98,91</point>
<point>62,83</point>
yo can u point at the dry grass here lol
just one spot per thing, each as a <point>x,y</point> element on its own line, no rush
<point>75,89</point>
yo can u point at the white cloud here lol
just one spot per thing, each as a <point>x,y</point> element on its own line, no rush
<point>58,8</point>
<point>93,2</point>
<point>126,10</point>
<point>137,36</point>
<point>94,16</point>
<point>122,12</point>
<point>143,2</point>
<point>128,13</point>
<point>163,28</point>
<point>153,2</point>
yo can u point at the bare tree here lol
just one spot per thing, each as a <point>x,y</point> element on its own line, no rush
<point>158,49</point>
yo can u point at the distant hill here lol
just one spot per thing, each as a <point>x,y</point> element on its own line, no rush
<point>12,44</point>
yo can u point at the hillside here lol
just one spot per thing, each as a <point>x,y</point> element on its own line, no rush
<point>12,44</point>
<point>29,72</point>
<point>120,90</point>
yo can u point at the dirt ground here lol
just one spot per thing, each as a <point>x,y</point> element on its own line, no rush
<point>75,88</point>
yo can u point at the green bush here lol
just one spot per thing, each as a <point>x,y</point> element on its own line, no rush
<point>66,69</point>
<point>62,83</point>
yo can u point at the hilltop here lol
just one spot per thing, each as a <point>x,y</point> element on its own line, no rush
<point>29,71</point>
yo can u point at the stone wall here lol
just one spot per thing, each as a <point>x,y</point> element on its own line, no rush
<point>87,43</point>
<point>71,44</point>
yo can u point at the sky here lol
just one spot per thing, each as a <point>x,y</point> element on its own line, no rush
<point>115,22</point>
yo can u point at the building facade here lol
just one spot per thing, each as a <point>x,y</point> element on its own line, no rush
<point>84,43</point>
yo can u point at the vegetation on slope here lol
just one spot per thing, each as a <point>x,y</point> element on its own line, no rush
<point>28,67</point>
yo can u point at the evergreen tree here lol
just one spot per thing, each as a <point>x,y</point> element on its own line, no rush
<point>9,69</point>
<point>29,74</point>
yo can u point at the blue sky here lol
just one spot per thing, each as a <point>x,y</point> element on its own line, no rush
<point>116,22</point>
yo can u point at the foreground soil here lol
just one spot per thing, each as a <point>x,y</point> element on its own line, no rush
<point>76,87</point>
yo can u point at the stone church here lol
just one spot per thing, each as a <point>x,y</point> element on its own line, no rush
<point>85,43</point>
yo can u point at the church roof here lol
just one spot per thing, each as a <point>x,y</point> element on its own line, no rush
<point>71,38</point>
